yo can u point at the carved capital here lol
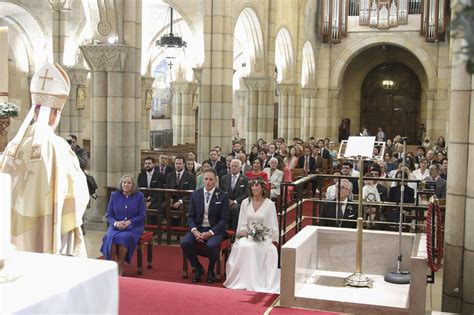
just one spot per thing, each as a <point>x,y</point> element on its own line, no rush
<point>77,76</point>
<point>257,84</point>
<point>287,88</point>
<point>309,92</point>
<point>105,57</point>
<point>147,82</point>
<point>334,93</point>
<point>430,95</point>
<point>57,5</point>
<point>183,87</point>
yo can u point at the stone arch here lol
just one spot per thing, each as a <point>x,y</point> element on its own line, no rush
<point>29,32</point>
<point>308,66</point>
<point>344,59</point>
<point>284,56</point>
<point>248,33</point>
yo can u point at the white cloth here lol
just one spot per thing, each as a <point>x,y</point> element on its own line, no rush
<point>421,176</point>
<point>149,175</point>
<point>253,265</point>
<point>54,284</point>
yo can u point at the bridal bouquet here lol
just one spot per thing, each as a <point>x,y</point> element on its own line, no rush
<point>257,231</point>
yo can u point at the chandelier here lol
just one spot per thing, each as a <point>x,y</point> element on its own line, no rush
<point>171,43</point>
<point>387,84</point>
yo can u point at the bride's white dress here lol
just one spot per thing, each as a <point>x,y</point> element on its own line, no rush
<point>253,265</point>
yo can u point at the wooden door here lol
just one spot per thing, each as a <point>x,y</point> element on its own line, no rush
<point>378,102</point>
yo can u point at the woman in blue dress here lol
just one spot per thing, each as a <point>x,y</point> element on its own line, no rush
<point>126,218</point>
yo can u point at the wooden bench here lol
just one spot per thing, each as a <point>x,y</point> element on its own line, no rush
<point>146,238</point>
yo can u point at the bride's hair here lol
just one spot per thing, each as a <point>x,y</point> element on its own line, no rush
<point>261,182</point>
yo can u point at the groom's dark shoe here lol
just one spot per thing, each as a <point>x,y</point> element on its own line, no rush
<point>211,276</point>
<point>198,272</point>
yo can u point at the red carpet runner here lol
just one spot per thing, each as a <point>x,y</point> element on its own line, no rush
<point>162,290</point>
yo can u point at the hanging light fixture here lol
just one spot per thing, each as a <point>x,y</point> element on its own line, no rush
<point>171,43</point>
<point>387,84</point>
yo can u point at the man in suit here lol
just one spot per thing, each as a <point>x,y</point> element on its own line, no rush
<point>150,177</point>
<point>208,216</point>
<point>179,179</point>
<point>347,170</point>
<point>243,160</point>
<point>236,186</point>
<point>216,163</point>
<point>219,154</point>
<point>439,183</point>
<point>164,168</point>
<point>226,170</point>
<point>323,152</point>
<point>272,151</point>
<point>341,209</point>
<point>307,162</point>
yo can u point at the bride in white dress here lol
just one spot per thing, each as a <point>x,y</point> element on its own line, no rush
<point>253,265</point>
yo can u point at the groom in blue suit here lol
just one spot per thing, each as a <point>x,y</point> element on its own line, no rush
<point>208,216</point>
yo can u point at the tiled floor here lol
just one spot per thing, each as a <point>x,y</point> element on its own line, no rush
<point>433,291</point>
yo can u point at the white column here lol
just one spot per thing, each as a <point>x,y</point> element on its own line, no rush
<point>260,112</point>
<point>108,137</point>
<point>243,97</point>
<point>458,271</point>
<point>4,64</point>
<point>334,113</point>
<point>72,115</point>
<point>60,32</point>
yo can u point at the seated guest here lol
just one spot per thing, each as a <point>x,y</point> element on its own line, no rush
<point>253,153</point>
<point>333,212</point>
<point>347,170</point>
<point>199,179</point>
<point>444,169</point>
<point>439,183</point>
<point>381,188</point>
<point>208,215</point>
<point>190,167</point>
<point>307,162</point>
<point>192,156</point>
<point>236,186</point>
<point>422,173</point>
<point>420,153</point>
<point>275,177</point>
<point>180,180</point>
<point>150,177</point>
<point>257,172</point>
<point>253,265</point>
<point>245,165</point>
<point>163,167</point>
<point>395,194</point>
<point>291,160</point>
<point>226,170</point>
<point>126,218</point>
<point>331,190</point>
<point>262,155</point>
<point>216,162</point>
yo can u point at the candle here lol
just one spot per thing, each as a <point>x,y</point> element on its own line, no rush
<point>5,215</point>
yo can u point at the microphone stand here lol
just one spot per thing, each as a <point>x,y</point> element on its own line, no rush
<point>399,276</point>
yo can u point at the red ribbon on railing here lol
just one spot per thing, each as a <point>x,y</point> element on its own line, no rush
<point>434,263</point>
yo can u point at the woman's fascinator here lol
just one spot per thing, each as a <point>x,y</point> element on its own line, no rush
<point>49,90</point>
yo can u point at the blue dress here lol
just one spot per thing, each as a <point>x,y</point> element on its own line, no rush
<point>121,208</point>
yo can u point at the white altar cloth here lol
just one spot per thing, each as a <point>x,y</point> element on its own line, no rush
<point>52,284</point>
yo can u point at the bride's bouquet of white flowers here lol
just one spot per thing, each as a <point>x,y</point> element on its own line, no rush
<point>257,231</point>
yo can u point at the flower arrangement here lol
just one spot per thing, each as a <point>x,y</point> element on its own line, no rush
<point>9,109</point>
<point>257,231</point>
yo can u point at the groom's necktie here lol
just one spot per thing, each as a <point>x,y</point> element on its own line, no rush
<point>340,215</point>
<point>208,195</point>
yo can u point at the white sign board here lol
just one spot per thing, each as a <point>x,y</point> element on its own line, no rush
<point>360,146</point>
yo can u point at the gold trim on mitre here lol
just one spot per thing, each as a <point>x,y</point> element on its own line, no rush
<point>50,86</point>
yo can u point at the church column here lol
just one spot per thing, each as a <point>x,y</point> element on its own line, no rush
<point>215,110</point>
<point>106,62</point>
<point>290,110</point>
<point>430,112</point>
<point>283,111</point>
<point>458,273</point>
<point>242,96</point>
<point>309,112</point>
<point>60,31</point>
<point>183,119</point>
<point>259,111</point>
<point>147,97</point>
<point>334,114</point>
<point>72,116</point>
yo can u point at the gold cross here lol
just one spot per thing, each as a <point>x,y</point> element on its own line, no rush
<point>45,78</point>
